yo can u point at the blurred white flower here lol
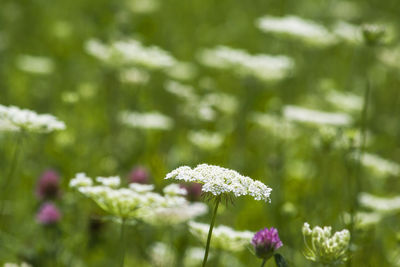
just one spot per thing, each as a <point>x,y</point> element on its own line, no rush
<point>325,248</point>
<point>149,120</point>
<point>174,190</point>
<point>364,219</point>
<point>182,71</point>
<point>143,6</point>
<point>217,180</point>
<point>223,237</point>
<point>80,180</point>
<point>263,67</point>
<point>380,165</point>
<point>300,114</point>
<point>278,126</point>
<point>134,75</point>
<point>348,32</point>
<point>380,204</point>
<point>194,257</point>
<point>206,140</point>
<point>345,101</point>
<point>304,30</point>
<point>141,188</point>
<point>181,90</point>
<point>112,181</point>
<point>10,264</point>
<point>130,52</point>
<point>390,56</point>
<point>35,64</point>
<point>162,255</point>
<point>16,119</point>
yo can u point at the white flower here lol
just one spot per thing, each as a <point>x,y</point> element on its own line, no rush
<point>263,67</point>
<point>113,181</point>
<point>35,64</point>
<point>194,256</point>
<point>223,237</point>
<point>380,165</point>
<point>141,188</point>
<point>380,204</point>
<point>278,126</point>
<point>143,6</point>
<point>348,32</point>
<point>345,101</point>
<point>217,180</point>
<point>182,71</point>
<point>134,76</point>
<point>323,247</point>
<point>80,180</point>
<point>181,90</point>
<point>162,255</point>
<point>206,140</point>
<point>130,52</point>
<point>300,114</point>
<point>150,120</point>
<point>23,264</point>
<point>174,190</point>
<point>16,119</point>
<point>304,30</point>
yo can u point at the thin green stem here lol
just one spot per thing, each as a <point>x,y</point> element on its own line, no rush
<point>217,201</point>
<point>263,262</point>
<point>122,243</point>
<point>10,174</point>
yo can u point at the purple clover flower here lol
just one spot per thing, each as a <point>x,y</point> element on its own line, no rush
<point>48,214</point>
<point>139,175</point>
<point>265,242</point>
<point>48,186</point>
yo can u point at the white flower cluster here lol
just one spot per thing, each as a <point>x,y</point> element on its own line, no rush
<point>16,119</point>
<point>35,64</point>
<point>300,114</point>
<point>139,201</point>
<point>295,27</point>
<point>149,120</point>
<point>223,237</point>
<point>380,165</point>
<point>263,67</point>
<point>348,32</point>
<point>130,52</point>
<point>10,264</point>
<point>380,204</point>
<point>347,102</point>
<point>206,140</point>
<point>217,180</point>
<point>325,248</point>
<point>275,125</point>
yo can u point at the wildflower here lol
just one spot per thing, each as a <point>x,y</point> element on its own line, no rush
<point>349,33</point>
<point>380,204</point>
<point>193,191</point>
<point>224,237</point>
<point>263,67</point>
<point>373,34</point>
<point>134,76</point>
<point>16,119</point>
<point>23,264</point>
<point>141,188</point>
<point>380,165</point>
<point>217,181</point>
<point>113,181</point>
<point>265,242</point>
<point>49,185</point>
<point>150,120</point>
<point>80,180</point>
<point>300,114</point>
<point>48,214</point>
<point>304,30</point>
<point>139,175</point>
<point>35,64</point>
<point>275,125</point>
<point>206,140</point>
<point>325,248</point>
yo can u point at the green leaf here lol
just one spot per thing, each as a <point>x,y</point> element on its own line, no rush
<point>280,261</point>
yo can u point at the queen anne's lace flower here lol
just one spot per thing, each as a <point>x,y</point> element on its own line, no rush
<point>217,180</point>
<point>150,120</point>
<point>16,119</point>
<point>323,247</point>
<point>80,180</point>
<point>113,181</point>
<point>224,237</point>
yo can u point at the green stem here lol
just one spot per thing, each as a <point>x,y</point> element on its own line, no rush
<point>263,262</point>
<point>122,243</point>
<point>10,174</point>
<point>210,230</point>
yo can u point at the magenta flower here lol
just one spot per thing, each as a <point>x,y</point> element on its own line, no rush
<point>48,186</point>
<point>139,175</point>
<point>265,242</point>
<point>48,214</point>
<point>193,191</point>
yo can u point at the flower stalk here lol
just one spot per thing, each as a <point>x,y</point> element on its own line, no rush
<point>217,201</point>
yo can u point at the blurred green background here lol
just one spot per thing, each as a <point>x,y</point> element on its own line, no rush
<point>313,179</point>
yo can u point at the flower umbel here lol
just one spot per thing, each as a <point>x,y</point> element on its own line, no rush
<point>217,181</point>
<point>325,248</point>
<point>265,242</point>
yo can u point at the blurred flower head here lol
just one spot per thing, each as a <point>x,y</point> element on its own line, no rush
<point>48,186</point>
<point>48,214</point>
<point>373,34</point>
<point>139,175</point>
<point>265,242</point>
